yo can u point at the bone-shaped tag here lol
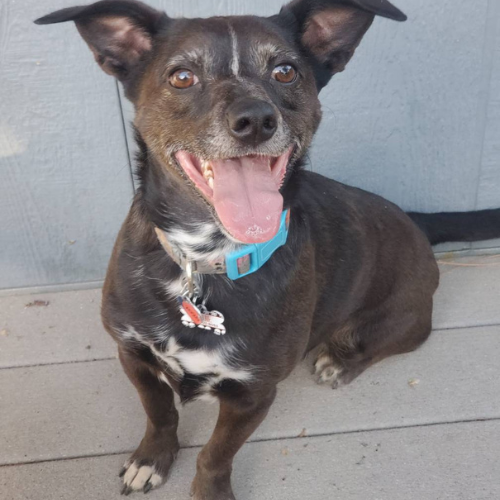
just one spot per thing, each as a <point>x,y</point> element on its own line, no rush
<point>200,316</point>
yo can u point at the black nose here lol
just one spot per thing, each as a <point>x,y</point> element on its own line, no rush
<point>251,121</point>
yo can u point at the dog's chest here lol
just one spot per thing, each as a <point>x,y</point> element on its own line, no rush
<point>201,373</point>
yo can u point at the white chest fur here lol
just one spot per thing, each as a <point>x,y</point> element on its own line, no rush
<point>215,364</point>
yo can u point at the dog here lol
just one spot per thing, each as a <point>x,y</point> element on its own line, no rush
<point>234,262</point>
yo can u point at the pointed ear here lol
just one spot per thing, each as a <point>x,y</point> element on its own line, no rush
<point>331,30</point>
<point>118,32</point>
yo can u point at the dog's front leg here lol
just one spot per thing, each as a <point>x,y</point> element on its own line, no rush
<point>148,466</point>
<point>237,421</point>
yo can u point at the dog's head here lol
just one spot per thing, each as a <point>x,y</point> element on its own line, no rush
<point>229,104</point>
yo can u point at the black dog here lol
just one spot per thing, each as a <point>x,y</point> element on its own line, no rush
<point>226,108</point>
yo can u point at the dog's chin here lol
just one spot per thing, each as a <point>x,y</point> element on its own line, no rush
<point>243,191</point>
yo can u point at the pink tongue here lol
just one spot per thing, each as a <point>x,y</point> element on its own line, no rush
<point>247,198</point>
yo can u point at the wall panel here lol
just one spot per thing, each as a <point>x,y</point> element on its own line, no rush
<point>64,172</point>
<point>415,118</point>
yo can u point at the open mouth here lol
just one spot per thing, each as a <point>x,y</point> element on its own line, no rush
<point>244,191</point>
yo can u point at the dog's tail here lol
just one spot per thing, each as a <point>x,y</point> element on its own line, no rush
<point>459,226</point>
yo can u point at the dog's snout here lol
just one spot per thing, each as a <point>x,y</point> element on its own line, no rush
<point>252,121</point>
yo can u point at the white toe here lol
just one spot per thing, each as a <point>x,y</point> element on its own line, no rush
<point>155,480</point>
<point>326,370</point>
<point>322,362</point>
<point>130,474</point>
<point>329,374</point>
<point>142,477</point>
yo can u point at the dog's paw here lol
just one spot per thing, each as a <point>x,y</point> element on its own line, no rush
<point>327,371</point>
<point>144,470</point>
<point>137,477</point>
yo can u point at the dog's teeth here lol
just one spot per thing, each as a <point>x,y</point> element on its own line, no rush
<point>208,173</point>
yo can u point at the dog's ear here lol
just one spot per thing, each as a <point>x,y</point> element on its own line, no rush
<point>118,32</point>
<point>330,30</point>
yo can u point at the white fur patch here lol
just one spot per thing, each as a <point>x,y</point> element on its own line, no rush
<point>163,378</point>
<point>326,370</point>
<point>323,361</point>
<point>142,477</point>
<point>168,356</point>
<point>202,362</point>
<point>218,253</point>
<point>130,474</point>
<point>175,287</point>
<point>263,52</point>
<point>130,333</point>
<point>155,480</point>
<point>207,396</point>
<point>136,477</point>
<point>235,61</point>
<point>200,234</point>
<point>188,242</point>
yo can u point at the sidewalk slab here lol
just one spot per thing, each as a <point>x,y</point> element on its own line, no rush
<point>443,462</point>
<point>53,328</point>
<point>83,409</point>
<point>469,293</point>
<point>69,328</point>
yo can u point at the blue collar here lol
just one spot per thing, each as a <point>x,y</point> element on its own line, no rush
<point>251,258</point>
<point>242,262</point>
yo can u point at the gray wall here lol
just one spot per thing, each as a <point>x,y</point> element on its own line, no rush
<point>416,118</point>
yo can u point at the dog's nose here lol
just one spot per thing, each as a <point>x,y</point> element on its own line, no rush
<point>252,121</point>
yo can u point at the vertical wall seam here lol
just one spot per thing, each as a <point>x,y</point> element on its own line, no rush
<point>125,136</point>
<point>492,12</point>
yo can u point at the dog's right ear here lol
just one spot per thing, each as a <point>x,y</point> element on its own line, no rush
<point>331,30</point>
<point>118,32</point>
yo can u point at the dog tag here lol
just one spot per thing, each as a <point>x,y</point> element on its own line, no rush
<point>212,320</point>
<point>200,316</point>
<point>191,315</point>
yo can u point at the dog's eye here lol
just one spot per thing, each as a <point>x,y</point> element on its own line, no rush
<point>183,79</point>
<point>284,73</point>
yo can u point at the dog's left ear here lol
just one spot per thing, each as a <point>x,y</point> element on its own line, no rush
<point>331,30</point>
<point>118,32</point>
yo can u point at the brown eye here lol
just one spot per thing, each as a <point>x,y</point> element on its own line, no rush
<point>284,73</point>
<point>183,79</point>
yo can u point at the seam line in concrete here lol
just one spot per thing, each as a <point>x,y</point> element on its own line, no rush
<point>266,440</point>
<point>110,358</point>
<point>56,288</point>
<point>466,327</point>
<point>56,363</point>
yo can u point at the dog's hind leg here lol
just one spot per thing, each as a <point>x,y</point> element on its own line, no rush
<point>331,370</point>
<point>350,351</point>
<point>148,466</point>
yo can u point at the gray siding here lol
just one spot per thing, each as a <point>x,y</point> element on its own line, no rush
<point>64,171</point>
<point>415,117</point>
<point>489,180</point>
